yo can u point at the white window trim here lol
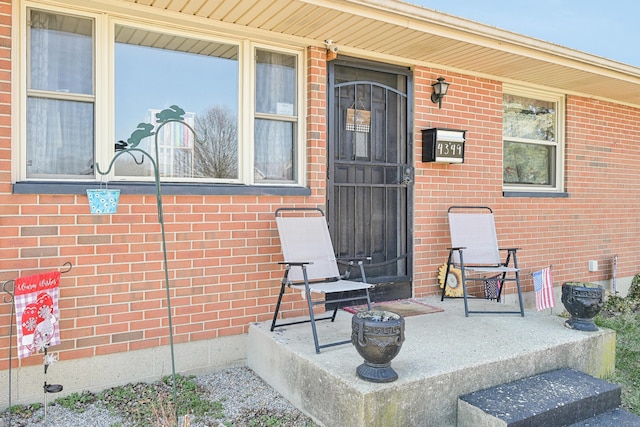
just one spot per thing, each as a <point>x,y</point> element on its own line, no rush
<point>104,91</point>
<point>109,49</point>
<point>301,124</point>
<point>20,69</point>
<point>559,99</point>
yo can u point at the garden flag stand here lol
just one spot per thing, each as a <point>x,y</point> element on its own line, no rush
<point>34,300</point>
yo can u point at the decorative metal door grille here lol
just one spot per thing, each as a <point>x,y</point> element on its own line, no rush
<point>370,175</point>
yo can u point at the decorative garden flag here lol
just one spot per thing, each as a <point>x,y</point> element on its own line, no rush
<point>543,287</point>
<point>36,299</point>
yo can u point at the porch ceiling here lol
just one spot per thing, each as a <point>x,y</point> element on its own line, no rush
<point>409,34</point>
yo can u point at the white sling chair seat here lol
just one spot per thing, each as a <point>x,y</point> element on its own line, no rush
<point>474,249</point>
<point>311,266</point>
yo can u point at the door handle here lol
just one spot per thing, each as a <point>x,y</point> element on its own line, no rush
<point>407,177</point>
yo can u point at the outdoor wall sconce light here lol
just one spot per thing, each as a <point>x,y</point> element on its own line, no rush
<point>332,50</point>
<point>439,91</point>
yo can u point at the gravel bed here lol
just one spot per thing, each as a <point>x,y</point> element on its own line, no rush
<point>247,401</point>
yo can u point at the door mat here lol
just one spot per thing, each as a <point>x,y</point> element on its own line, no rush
<point>403,307</point>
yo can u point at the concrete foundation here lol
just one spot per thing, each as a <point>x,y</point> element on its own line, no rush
<point>101,372</point>
<point>445,355</point>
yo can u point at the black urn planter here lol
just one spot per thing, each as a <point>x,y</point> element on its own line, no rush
<point>378,337</point>
<point>583,301</point>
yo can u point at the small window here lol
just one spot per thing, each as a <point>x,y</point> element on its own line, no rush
<point>275,117</point>
<point>60,97</point>
<point>532,138</point>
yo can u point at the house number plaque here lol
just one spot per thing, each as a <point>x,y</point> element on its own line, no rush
<point>443,145</point>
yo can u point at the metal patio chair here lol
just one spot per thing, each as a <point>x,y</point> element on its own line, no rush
<point>312,268</point>
<point>474,250</point>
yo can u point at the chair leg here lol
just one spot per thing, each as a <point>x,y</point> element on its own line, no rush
<point>444,285</point>
<point>312,316</point>
<point>464,297</point>
<point>501,287</point>
<point>515,265</point>
<point>275,314</point>
<point>335,310</point>
<point>313,324</point>
<point>364,279</point>
<point>464,286</point>
<point>446,275</point>
<point>519,294</point>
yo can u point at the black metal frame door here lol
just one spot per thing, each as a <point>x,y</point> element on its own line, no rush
<point>370,172</point>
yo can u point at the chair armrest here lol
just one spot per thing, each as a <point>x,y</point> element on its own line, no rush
<point>510,251</point>
<point>295,263</point>
<point>457,248</point>
<point>351,260</point>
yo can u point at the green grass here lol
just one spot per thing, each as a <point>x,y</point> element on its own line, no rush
<point>623,316</point>
<point>25,410</point>
<point>152,405</point>
<point>147,405</point>
<point>627,370</point>
<point>270,421</point>
<point>77,401</point>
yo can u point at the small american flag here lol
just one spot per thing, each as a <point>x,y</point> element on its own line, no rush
<point>543,287</point>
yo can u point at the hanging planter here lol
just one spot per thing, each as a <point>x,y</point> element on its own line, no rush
<point>103,200</point>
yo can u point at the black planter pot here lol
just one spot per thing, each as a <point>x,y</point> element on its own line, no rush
<point>378,337</point>
<point>583,301</point>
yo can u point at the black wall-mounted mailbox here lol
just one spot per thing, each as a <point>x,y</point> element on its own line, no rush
<point>443,145</point>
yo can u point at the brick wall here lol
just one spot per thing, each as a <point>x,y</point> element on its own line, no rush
<point>223,250</point>
<point>222,254</point>
<point>597,221</point>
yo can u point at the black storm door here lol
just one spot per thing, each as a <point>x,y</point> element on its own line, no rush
<point>370,172</point>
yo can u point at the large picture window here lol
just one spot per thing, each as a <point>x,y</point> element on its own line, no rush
<point>93,80</point>
<point>152,69</point>
<point>533,142</point>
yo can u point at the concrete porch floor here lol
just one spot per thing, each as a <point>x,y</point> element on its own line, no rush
<point>445,355</point>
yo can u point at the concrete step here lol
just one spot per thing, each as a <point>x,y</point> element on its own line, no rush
<point>552,399</point>
<point>618,418</point>
<point>445,355</point>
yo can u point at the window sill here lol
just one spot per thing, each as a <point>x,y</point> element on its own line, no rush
<point>48,187</point>
<point>534,194</point>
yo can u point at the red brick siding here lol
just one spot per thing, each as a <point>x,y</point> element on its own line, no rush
<point>598,220</point>
<point>223,250</point>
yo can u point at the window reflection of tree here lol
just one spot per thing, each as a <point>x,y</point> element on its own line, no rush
<point>527,164</point>
<point>191,72</point>
<point>216,152</point>
<point>532,122</point>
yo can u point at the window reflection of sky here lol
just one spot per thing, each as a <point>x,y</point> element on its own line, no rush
<point>150,78</point>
